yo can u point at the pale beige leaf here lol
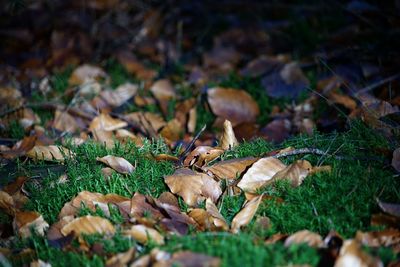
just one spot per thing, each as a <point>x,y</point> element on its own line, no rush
<point>193,187</point>
<point>86,73</point>
<point>25,221</point>
<point>229,169</point>
<point>49,153</point>
<point>7,203</point>
<point>172,131</point>
<point>163,90</point>
<point>295,172</point>
<point>124,136</point>
<point>104,137</point>
<point>233,104</point>
<point>202,155</point>
<point>107,123</point>
<point>150,122</point>
<point>121,259</point>
<point>64,122</point>
<point>260,173</point>
<point>352,255</point>
<point>119,164</point>
<point>218,220</point>
<point>120,95</point>
<point>228,139</point>
<point>144,234</point>
<point>305,236</point>
<point>386,238</point>
<point>246,214</point>
<point>88,225</point>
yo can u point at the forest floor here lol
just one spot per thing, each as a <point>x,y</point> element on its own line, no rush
<point>135,135</point>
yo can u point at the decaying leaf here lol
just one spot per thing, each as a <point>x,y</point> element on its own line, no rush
<point>305,236</point>
<point>88,225</point>
<point>235,105</point>
<point>49,153</point>
<point>107,123</point>
<point>193,187</point>
<point>295,172</point>
<point>386,238</point>
<point>260,173</point>
<point>64,122</point>
<point>230,169</point>
<point>144,234</point>
<point>172,131</point>
<point>352,255</point>
<point>7,203</point>
<point>202,155</point>
<point>124,136</point>
<point>163,90</point>
<point>25,221</point>
<point>246,214</point>
<point>20,148</point>
<point>104,137</point>
<point>217,218</point>
<point>85,74</point>
<point>149,122</point>
<point>228,139</point>
<point>119,164</point>
<point>120,95</point>
<point>121,259</point>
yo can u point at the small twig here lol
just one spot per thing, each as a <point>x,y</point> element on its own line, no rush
<point>191,144</point>
<point>378,83</point>
<point>306,150</point>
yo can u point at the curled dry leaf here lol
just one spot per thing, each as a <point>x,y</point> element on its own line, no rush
<point>229,169</point>
<point>351,254</point>
<point>88,225</point>
<point>246,214</point>
<point>305,236</point>
<point>107,123</point>
<point>121,259</point>
<point>104,137</point>
<point>193,187</point>
<point>25,221</point>
<point>228,139</point>
<point>49,153</point>
<point>144,234</point>
<point>119,96</point>
<point>295,172</point>
<point>202,155</point>
<point>260,173</point>
<point>20,148</point>
<point>86,73</point>
<point>119,164</point>
<point>236,105</point>
<point>217,218</point>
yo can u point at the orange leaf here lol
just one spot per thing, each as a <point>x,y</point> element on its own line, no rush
<point>88,225</point>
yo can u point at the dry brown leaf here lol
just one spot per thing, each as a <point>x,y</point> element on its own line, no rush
<point>88,225</point>
<point>386,238</point>
<point>163,90</point>
<point>236,105</point>
<point>39,263</point>
<point>172,131</point>
<point>295,172</point>
<point>120,95</point>
<point>193,187</point>
<point>121,259</point>
<point>202,218</point>
<point>50,153</point>
<point>202,155</point>
<point>119,164</point>
<point>229,169</point>
<point>390,208</point>
<point>104,137</point>
<point>344,100</point>
<point>64,122</point>
<point>260,173</point>
<point>25,221</point>
<point>218,220</point>
<point>107,123</point>
<point>396,159</point>
<point>149,122</point>
<point>168,198</point>
<point>189,258</point>
<point>305,236</point>
<point>192,120</point>
<point>144,234</point>
<point>20,148</point>
<point>228,139</point>
<point>246,214</point>
<point>86,73</point>
<point>351,254</point>
<point>7,203</point>
<point>123,136</point>
<point>165,157</point>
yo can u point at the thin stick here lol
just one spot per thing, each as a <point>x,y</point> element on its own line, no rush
<point>378,83</point>
<point>306,150</point>
<point>191,144</point>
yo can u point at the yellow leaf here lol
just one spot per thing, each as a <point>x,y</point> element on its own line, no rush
<point>247,213</point>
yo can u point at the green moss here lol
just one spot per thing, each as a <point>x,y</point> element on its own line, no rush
<point>118,73</point>
<point>240,250</point>
<point>15,130</point>
<point>111,245</point>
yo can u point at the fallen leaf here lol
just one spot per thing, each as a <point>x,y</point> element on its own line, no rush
<point>25,221</point>
<point>261,172</point>
<point>386,220</point>
<point>172,131</point>
<point>149,122</point>
<point>295,172</point>
<point>121,259</point>
<point>230,169</point>
<point>120,95</point>
<point>351,254</point>
<point>88,225</point>
<point>163,91</point>
<point>385,238</point>
<point>86,73</point>
<point>107,123</point>
<point>305,236</point>
<point>188,258</point>
<point>64,122</point>
<point>218,220</point>
<point>39,263</point>
<point>124,136</point>
<point>7,203</point>
<point>20,148</point>
<point>228,139</point>
<point>396,159</point>
<point>277,130</point>
<point>144,234</point>
<point>119,164</point>
<point>246,214</point>
<point>50,153</point>
<point>201,155</point>
<point>193,187</point>
<point>104,137</point>
<point>391,208</point>
<point>232,104</point>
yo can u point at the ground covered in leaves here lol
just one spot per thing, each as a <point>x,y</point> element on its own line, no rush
<point>137,135</point>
